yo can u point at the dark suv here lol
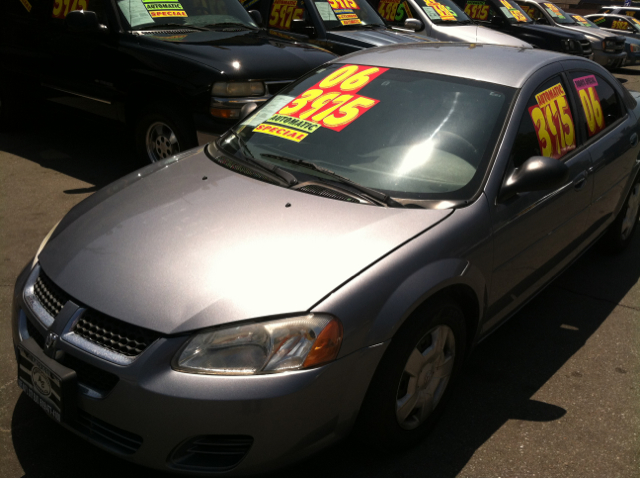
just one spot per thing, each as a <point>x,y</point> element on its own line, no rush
<point>506,16</point>
<point>177,71</point>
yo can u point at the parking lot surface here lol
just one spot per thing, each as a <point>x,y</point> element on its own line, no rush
<point>554,392</point>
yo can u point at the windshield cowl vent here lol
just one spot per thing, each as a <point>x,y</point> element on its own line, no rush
<point>163,32</point>
<point>328,193</point>
<point>241,169</point>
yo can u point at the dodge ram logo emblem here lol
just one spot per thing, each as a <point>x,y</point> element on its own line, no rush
<point>50,345</point>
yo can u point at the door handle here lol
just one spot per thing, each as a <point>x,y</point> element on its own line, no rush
<point>634,139</point>
<point>580,181</point>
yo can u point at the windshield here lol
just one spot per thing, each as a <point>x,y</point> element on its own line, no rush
<point>408,134</point>
<point>337,14</point>
<point>442,11</point>
<point>485,9</point>
<point>584,22</point>
<point>559,16</point>
<point>195,13</point>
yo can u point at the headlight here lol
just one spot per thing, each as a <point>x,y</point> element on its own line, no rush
<point>238,89</point>
<point>634,48</point>
<point>43,244</point>
<point>571,46</point>
<point>609,45</point>
<point>259,348</point>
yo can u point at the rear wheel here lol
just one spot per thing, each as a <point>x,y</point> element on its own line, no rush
<point>162,132</point>
<point>413,382</point>
<point>621,230</point>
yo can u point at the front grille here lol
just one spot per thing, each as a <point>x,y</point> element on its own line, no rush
<point>243,170</point>
<point>327,193</point>
<point>113,334</point>
<point>275,86</point>
<point>211,453</point>
<point>111,437</point>
<point>619,46</point>
<point>35,334</point>
<point>92,377</point>
<point>49,295</point>
<point>586,47</point>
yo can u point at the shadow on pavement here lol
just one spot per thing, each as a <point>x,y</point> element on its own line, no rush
<point>500,379</point>
<point>82,146</point>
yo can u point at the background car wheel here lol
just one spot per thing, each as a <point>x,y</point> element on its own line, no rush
<point>161,132</point>
<point>414,379</point>
<point>621,230</point>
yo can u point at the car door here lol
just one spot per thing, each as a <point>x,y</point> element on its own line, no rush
<point>536,233</point>
<point>612,139</point>
<point>82,67</point>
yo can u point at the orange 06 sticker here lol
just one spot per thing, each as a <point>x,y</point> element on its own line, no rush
<point>283,12</point>
<point>61,8</point>
<point>553,122</point>
<point>590,103</point>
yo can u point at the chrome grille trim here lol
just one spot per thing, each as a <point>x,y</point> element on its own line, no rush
<point>31,300</point>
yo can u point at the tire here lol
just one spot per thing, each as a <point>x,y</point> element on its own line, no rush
<point>621,231</point>
<point>162,131</point>
<point>432,341</point>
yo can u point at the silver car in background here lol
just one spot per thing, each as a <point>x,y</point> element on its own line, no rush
<point>330,262</point>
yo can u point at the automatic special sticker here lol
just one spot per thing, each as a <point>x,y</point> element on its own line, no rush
<point>164,8</point>
<point>332,103</point>
<point>553,122</point>
<point>586,87</point>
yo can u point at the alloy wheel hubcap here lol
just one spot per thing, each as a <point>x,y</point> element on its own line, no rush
<point>161,142</point>
<point>425,377</point>
<point>631,215</point>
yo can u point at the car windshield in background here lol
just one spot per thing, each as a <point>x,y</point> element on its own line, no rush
<point>338,14</point>
<point>485,9</point>
<point>195,13</point>
<point>442,11</point>
<point>409,134</point>
<point>583,22</point>
<point>558,14</point>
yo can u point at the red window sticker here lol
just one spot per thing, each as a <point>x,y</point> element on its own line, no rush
<point>553,122</point>
<point>332,103</point>
<point>586,87</point>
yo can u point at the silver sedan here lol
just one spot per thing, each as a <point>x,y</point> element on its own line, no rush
<point>245,304</point>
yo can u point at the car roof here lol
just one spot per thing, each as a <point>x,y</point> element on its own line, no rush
<point>499,64</point>
<point>607,15</point>
<point>614,7</point>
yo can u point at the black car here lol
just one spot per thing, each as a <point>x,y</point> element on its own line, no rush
<point>177,71</point>
<point>341,26</point>
<point>506,16</point>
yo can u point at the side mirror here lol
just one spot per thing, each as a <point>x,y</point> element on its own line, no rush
<point>538,173</point>
<point>496,20</point>
<point>299,26</point>
<point>81,21</point>
<point>255,15</point>
<point>247,109</point>
<point>413,24</point>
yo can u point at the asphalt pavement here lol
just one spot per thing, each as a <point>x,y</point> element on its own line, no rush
<point>554,392</point>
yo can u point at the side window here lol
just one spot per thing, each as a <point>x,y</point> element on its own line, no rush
<point>547,126</point>
<point>283,12</point>
<point>600,103</point>
<point>533,12</point>
<point>394,12</point>
<point>619,23</point>
<point>602,22</point>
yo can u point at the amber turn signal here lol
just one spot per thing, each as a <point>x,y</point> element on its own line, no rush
<point>226,113</point>
<point>327,345</point>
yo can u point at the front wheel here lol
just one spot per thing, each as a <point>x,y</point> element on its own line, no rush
<point>621,230</point>
<point>413,382</point>
<point>162,132</point>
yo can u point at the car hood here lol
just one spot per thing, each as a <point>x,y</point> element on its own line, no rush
<point>192,245</point>
<point>480,34</point>
<point>374,38</point>
<point>235,54</point>
<point>594,32</point>
<point>550,31</point>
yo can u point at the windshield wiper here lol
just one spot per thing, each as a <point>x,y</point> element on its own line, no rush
<point>375,194</point>
<point>245,154</point>
<point>173,25</point>
<point>230,24</point>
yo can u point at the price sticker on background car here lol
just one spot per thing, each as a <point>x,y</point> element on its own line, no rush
<point>344,11</point>
<point>553,122</point>
<point>442,11</point>
<point>553,10</point>
<point>388,8</point>
<point>619,25</point>
<point>283,12</point>
<point>590,103</point>
<point>332,103</point>
<point>477,9</point>
<point>61,8</point>
<point>581,20</point>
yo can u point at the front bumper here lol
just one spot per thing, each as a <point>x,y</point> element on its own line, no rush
<point>609,60</point>
<point>152,412</point>
<point>633,58</point>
